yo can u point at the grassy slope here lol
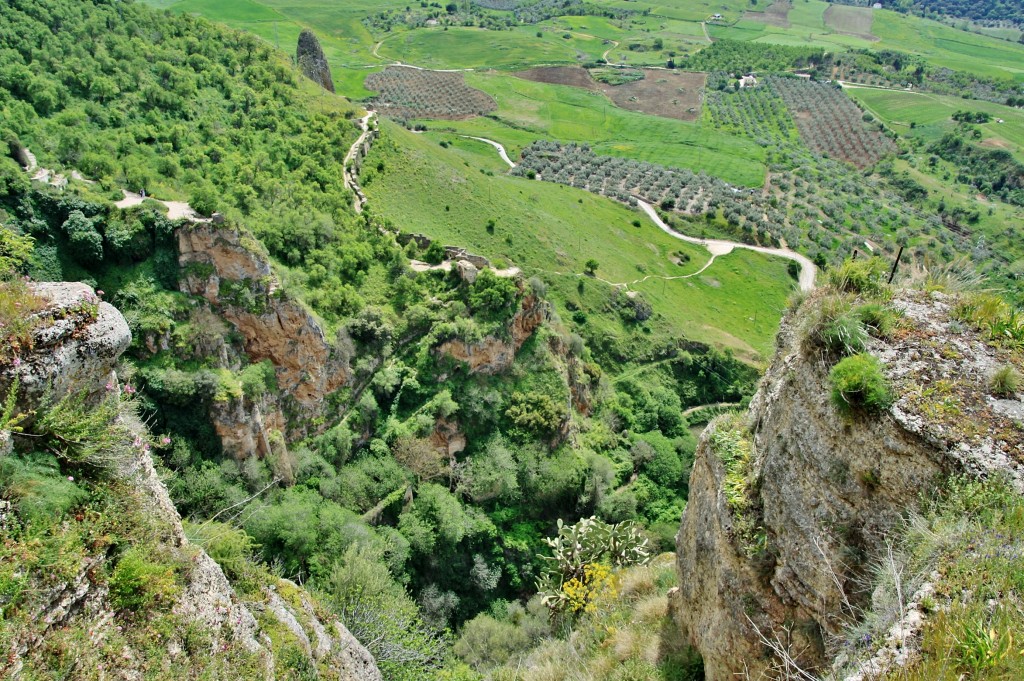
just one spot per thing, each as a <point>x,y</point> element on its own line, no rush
<point>575,115</point>
<point>458,48</point>
<point>932,116</point>
<point>548,229</point>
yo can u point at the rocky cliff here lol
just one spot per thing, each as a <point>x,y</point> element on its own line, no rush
<point>790,504</point>
<point>494,354</point>
<point>77,612</point>
<point>232,272</point>
<point>311,59</point>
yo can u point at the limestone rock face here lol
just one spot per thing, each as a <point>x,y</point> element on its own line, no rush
<point>826,490</point>
<point>76,347</point>
<point>233,274</point>
<point>76,343</point>
<point>312,61</point>
<point>493,355</point>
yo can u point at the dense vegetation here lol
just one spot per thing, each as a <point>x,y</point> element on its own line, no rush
<point>978,10</point>
<point>366,510</point>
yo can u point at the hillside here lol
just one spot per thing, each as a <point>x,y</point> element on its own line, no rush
<point>378,340</point>
<point>99,575</point>
<point>356,405</point>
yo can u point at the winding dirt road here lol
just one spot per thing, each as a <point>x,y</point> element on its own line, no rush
<point>715,247</point>
<point>496,145</point>
<point>720,247</point>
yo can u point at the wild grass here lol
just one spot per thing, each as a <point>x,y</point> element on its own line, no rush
<point>1005,382</point>
<point>18,308</point>
<point>859,385</point>
<point>550,231</point>
<point>966,543</point>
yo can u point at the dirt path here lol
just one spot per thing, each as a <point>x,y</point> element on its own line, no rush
<point>858,86</point>
<point>176,210</point>
<point>720,247</point>
<point>707,36</point>
<point>496,145</point>
<point>716,405</point>
<point>351,179</point>
<point>446,266</point>
<point>615,44</point>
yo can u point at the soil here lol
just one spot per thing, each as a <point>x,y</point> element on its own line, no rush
<point>670,94</point>
<point>777,14</point>
<point>575,76</point>
<point>855,21</point>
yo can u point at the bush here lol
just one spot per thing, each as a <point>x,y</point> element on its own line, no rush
<point>865,276</point>
<point>844,335</point>
<point>859,382</point>
<point>1005,382</point>
<point>138,584</point>
<point>880,320</point>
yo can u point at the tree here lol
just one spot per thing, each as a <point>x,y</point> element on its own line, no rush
<point>86,242</point>
<point>420,456</point>
<point>590,266</point>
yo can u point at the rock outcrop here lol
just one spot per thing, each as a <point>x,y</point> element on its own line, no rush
<point>492,355</point>
<point>311,59</point>
<point>232,272</point>
<point>824,490</point>
<point>76,345</point>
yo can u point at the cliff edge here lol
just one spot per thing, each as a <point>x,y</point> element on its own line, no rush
<point>793,502</point>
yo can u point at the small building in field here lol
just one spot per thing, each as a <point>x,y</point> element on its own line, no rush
<point>748,80</point>
<point>716,17</point>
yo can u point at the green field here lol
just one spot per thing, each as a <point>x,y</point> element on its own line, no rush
<point>551,230</point>
<point>931,116</point>
<point>529,111</point>
<point>460,48</point>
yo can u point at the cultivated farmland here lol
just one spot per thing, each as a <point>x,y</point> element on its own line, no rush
<point>855,21</point>
<point>777,14</point>
<point>669,94</point>
<point>575,76</point>
<point>406,93</point>
<point>830,123</point>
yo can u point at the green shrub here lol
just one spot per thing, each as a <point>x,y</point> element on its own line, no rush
<point>37,488</point>
<point>1004,382</point>
<point>95,436</point>
<point>859,382</point>
<point>17,322</point>
<point>138,584</point>
<point>866,276</point>
<point>231,547</point>
<point>844,335</point>
<point>880,320</point>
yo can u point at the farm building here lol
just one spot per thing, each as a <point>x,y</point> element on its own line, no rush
<point>748,80</point>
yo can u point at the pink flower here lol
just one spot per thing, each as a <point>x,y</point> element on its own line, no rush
<point>99,293</point>
<point>17,361</point>
<point>110,386</point>
<point>128,390</point>
<point>71,478</point>
<point>165,440</point>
